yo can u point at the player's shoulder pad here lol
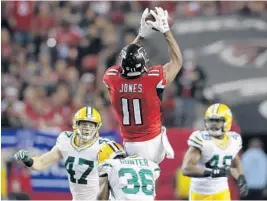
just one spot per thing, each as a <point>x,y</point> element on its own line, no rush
<point>65,135</point>
<point>111,74</point>
<point>235,136</point>
<point>197,138</point>
<point>105,167</point>
<point>155,71</point>
<point>63,138</point>
<point>113,71</point>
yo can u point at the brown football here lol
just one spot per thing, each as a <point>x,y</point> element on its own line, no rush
<point>150,17</point>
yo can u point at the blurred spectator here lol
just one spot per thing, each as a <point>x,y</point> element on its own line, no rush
<point>21,19</point>
<point>101,8</point>
<point>11,118</point>
<point>255,157</point>
<point>66,35</point>
<point>19,184</point>
<point>18,196</point>
<point>89,48</point>
<point>88,18</point>
<point>191,80</point>
<point>169,107</point>
<point>43,21</point>
<point>11,108</point>
<point>190,83</point>
<point>6,50</point>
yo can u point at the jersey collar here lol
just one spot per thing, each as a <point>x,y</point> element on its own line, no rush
<point>223,143</point>
<point>89,144</point>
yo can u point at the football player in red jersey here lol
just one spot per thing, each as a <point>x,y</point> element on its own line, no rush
<point>136,91</point>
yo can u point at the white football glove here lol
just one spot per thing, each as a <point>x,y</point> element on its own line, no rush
<point>145,29</point>
<point>161,22</point>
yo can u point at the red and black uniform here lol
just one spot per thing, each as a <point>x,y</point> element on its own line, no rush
<point>137,102</point>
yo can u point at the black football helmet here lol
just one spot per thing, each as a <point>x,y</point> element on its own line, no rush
<point>133,60</point>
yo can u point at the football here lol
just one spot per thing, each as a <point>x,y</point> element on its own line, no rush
<point>150,17</point>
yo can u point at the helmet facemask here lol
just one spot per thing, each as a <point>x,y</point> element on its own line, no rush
<point>87,130</point>
<point>215,125</point>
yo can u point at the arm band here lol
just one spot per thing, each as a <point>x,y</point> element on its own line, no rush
<point>207,173</point>
<point>241,179</point>
<point>29,163</point>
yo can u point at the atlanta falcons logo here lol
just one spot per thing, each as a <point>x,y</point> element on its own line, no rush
<point>240,53</point>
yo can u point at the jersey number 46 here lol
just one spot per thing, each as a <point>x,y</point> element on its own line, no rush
<point>217,161</point>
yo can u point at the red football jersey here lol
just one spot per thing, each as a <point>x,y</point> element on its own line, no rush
<point>137,102</point>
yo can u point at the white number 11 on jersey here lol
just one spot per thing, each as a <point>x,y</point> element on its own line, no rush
<point>126,116</point>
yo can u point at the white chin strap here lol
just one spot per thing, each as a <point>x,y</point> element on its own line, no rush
<point>87,138</point>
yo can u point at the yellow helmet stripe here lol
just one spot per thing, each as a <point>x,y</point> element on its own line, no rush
<point>215,108</point>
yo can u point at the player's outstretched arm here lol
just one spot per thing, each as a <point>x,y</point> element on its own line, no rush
<point>237,168</point>
<point>103,193</point>
<point>39,163</point>
<point>172,68</point>
<point>161,23</point>
<point>237,173</point>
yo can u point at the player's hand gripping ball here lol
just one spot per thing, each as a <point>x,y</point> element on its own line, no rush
<point>150,17</point>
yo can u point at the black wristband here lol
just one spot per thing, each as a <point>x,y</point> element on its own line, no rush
<point>241,179</point>
<point>29,163</point>
<point>207,173</point>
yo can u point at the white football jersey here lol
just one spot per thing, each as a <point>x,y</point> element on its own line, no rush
<point>81,165</point>
<point>131,178</point>
<point>214,153</point>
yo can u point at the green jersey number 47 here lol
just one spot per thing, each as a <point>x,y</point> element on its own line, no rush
<point>69,167</point>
